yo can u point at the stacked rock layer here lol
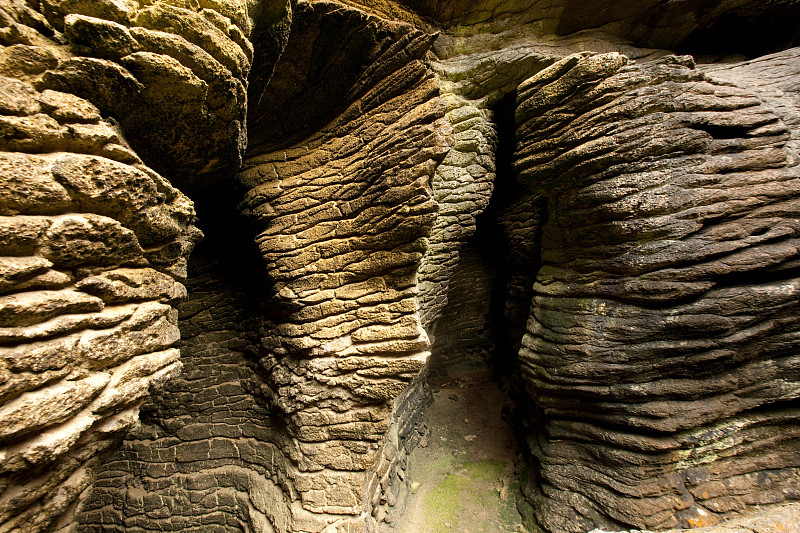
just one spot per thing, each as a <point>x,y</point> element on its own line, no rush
<point>662,345</point>
<point>94,241</point>
<point>653,248</point>
<point>343,219</point>
<point>206,456</point>
<point>93,246</point>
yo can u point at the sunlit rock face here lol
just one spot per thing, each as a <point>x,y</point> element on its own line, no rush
<point>187,62</point>
<point>94,247</point>
<point>95,240</point>
<point>342,219</point>
<point>551,188</point>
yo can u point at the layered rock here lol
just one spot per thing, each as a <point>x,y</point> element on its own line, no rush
<point>94,244</point>
<point>462,187</point>
<point>475,86</point>
<point>655,235</point>
<point>187,60</point>
<point>706,27</point>
<point>343,218</point>
<point>661,347</point>
<point>204,458</point>
<point>782,518</point>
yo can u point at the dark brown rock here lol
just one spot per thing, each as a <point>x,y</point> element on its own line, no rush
<point>645,270</point>
<point>649,358</point>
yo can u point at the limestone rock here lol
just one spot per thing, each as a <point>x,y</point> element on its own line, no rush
<point>462,187</point>
<point>343,218</point>
<point>653,352</point>
<point>45,407</point>
<point>81,340</point>
<point>187,61</point>
<point>350,160</point>
<point>125,285</point>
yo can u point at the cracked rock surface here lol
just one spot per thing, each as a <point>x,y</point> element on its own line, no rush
<point>392,188</point>
<point>664,366</point>
<point>94,247</point>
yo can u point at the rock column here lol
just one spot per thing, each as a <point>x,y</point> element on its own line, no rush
<point>661,350</point>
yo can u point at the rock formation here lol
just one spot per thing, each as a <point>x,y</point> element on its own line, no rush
<point>664,365</point>
<point>94,248</point>
<point>389,188</point>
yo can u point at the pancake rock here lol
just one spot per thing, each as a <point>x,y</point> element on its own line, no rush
<point>661,350</point>
<point>548,191</point>
<point>343,218</point>
<point>94,247</point>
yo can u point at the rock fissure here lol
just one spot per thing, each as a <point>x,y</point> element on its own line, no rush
<point>399,200</point>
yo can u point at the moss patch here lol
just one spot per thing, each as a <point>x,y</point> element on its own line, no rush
<point>473,498</point>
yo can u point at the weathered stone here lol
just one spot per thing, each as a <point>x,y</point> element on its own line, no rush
<point>462,187</point>
<point>693,188</point>
<point>48,406</point>
<point>150,328</point>
<point>37,306</point>
<point>186,60</point>
<point>78,240</point>
<point>125,285</point>
<point>17,97</point>
<point>20,236</point>
<point>110,316</point>
<point>131,380</point>
<point>655,237</point>
<point>21,60</point>
<point>151,208</point>
<point>13,270</point>
<point>66,107</point>
<point>63,401</point>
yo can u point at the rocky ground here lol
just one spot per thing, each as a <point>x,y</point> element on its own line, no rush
<point>463,478</point>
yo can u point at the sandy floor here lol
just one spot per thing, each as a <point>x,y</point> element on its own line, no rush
<point>463,480</point>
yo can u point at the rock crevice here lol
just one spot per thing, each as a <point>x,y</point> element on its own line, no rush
<point>641,211</point>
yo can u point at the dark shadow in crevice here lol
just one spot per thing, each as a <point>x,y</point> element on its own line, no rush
<point>718,131</point>
<point>192,423</point>
<point>749,34</point>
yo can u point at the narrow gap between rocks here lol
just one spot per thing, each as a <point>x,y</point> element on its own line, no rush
<point>463,475</point>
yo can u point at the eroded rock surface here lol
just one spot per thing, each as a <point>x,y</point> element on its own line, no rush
<point>661,347</point>
<point>645,269</point>
<point>205,456</point>
<point>342,220</point>
<point>187,60</point>
<point>94,246</point>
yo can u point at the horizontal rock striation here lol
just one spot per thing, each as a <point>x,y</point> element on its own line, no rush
<point>94,241</point>
<point>774,78</point>
<point>342,219</point>
<point>464,336</point>
<point>651,247</point>
<point>93,245</point>
<point>782,518</point>
<point>662,344</point>
<point>143,61</point>
<point>462,187</point>
<point>204,458</point>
